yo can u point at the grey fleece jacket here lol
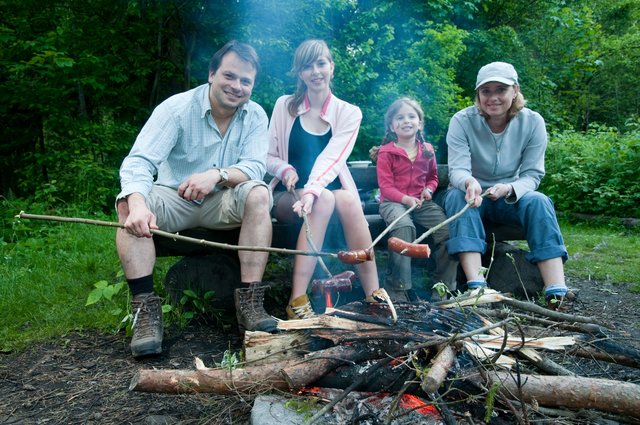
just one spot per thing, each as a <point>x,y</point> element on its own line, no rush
<point>515,156</point>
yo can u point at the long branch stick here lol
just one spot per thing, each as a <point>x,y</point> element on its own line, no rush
<point>177,237</point>
<point>390,226</point>
<point>447,221</point>
<point>307,229</point>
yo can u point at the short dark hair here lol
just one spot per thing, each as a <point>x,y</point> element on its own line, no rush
<point>243,50</point>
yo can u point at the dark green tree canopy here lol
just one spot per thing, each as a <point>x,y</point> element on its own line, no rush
<point>79,78</point>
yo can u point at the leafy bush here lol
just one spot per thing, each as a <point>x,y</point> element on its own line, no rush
<point>594,172</point>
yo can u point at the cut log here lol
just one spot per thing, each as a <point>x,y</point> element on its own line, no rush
<point>283,375</point>
<point>319,363</point>
<point>251,380</point>
<point>324,321</point>
<point>439,369</point>
<point>263,347</point>
<point>605,356</point>
<point>572,392</point>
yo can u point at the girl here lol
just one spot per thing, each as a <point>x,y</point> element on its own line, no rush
<point>408,175</point>
<point>312,133</point>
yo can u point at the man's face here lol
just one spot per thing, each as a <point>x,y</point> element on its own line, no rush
<point>232,83</point>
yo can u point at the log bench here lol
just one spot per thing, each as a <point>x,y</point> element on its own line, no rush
<point>285,234</point>
<point>196,267</point>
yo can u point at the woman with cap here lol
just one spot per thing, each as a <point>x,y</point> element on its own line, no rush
<point>497,146</point>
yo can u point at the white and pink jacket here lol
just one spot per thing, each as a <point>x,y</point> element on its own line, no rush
<point>344,120</point>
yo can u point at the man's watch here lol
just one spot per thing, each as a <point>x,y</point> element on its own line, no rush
<point>224,176</point>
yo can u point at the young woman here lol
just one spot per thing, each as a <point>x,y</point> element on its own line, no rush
<point>408,175</point>
<point>498,146</point>
<point>312,133</point>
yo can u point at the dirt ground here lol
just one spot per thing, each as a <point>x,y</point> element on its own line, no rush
<point>83,378</point>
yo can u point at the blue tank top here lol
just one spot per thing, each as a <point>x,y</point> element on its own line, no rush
<point>304,148</point>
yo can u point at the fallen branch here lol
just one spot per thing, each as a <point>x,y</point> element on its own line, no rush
<point>487,296</point>
<point>573,392</point>
<point>439,369</point>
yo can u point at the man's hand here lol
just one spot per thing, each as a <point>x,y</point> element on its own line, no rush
<point>199,185</point>
<point>139,219</point>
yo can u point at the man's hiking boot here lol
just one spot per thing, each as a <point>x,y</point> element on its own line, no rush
<point>562,304</point>
<point>250,310</point>
<point>300,308</point>
<point>147,325</point>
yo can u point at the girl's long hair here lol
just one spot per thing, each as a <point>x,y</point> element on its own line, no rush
<point>306,53</point>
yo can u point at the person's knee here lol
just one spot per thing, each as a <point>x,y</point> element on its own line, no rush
<point>258,199</point>
<point>122,207</point>
<point>325,203</point>
<point>345,201</point>
<point>537,202</point>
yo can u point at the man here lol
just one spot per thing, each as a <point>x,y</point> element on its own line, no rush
<point>208,148</point>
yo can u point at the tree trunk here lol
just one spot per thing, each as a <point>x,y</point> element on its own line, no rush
<point>283,375</point>
<point>572,392</point>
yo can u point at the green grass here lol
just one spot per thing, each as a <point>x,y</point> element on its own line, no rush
<point>48,270</point>
<point>608,254</point>
<point>46,273</point>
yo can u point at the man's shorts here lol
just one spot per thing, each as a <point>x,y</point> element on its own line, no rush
<point>222,209</point>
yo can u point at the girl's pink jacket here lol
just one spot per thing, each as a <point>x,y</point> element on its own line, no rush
<point>344,120</point>
<point>398,176</point>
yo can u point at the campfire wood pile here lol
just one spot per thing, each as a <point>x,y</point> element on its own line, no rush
<point>450,354</point>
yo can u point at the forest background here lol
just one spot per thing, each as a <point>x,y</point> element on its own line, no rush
<point>78,79</point>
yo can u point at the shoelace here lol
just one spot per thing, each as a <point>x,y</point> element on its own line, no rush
<point>303,311</point>
<point>253,306</point>
<point>145,327</point>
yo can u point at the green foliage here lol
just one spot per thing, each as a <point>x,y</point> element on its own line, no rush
<point>306,406</point>
<point>194,306</point>
<point>103,290</point>
<point>72,103</point>
<point>490,401</point>
<point>230,360</point>
<point>46,273</point>
<point>594,173</point>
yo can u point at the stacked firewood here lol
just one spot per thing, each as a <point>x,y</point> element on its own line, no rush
<point>453,354</point>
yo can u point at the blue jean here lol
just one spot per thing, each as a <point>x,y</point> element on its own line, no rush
<point>534,212</point>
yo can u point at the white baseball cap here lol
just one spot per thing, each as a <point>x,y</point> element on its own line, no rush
<point>500,72</point>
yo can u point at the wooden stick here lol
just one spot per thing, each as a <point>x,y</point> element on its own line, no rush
<point>307,230</point>
<point>439,368</point>
<point>390,226</point>
<point>176,236</point>
<point>447,221</point>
